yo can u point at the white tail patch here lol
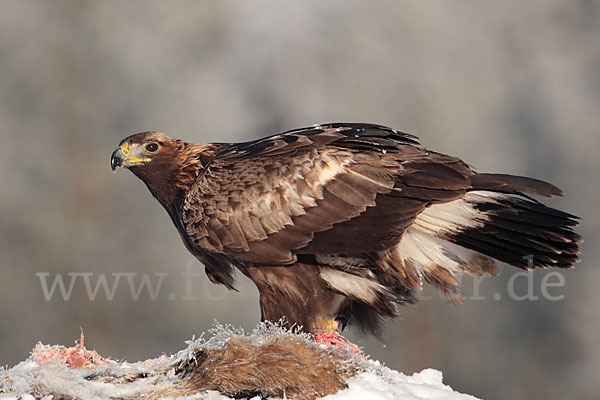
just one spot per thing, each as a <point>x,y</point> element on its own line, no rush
<point>352,285</point>
<point>425,251</point>
<point>424,246</point>
<point>455,215</point>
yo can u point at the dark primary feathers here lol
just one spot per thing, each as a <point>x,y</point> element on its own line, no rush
<point>346,219</point>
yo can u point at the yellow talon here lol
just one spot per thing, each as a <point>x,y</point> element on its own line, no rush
<point>326,324</point>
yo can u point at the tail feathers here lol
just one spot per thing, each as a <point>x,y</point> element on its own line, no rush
<point>520,231</point>
<point>465,235</point>
<point>513,184</point>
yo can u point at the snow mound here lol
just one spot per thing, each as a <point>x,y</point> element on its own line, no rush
<point>269,362</point>
<point>381,383</point>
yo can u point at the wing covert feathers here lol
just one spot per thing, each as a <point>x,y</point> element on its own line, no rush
<point>263,200</point>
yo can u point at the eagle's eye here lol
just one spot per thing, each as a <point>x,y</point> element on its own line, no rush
<point>151,147</point>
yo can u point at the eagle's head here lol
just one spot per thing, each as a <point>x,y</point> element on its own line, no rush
<point>167,166</point>
<point>138,151</point>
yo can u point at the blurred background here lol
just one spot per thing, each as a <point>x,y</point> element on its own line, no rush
<point>508,86</point>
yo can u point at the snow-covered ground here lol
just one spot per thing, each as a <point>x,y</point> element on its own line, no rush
<point>80,373</point>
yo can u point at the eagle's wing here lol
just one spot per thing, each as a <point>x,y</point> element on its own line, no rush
<point>331,189</point>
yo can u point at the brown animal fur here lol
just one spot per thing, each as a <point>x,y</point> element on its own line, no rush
<point>285,367</point>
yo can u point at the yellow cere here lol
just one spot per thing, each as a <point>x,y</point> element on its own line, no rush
<point>125,149</point>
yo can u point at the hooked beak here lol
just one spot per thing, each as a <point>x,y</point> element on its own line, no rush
<point>122,157</point>
<point>116,159</point>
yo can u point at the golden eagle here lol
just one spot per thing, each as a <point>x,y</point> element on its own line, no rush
<point>345,220</point>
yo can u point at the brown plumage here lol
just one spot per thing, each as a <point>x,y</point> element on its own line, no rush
<point>345,219</point>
